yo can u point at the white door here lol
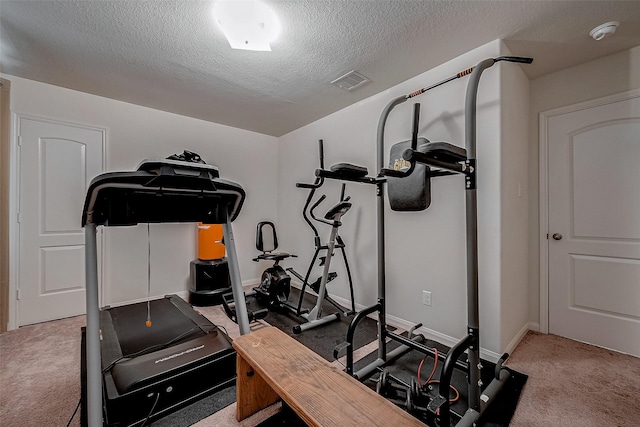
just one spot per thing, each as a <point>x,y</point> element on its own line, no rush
<point>594,224</point>
<point>57,162</point>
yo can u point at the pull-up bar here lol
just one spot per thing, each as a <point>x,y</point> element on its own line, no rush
<point>399,100</point>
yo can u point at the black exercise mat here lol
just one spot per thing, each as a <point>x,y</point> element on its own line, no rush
<point>322,339</point>
<point>199,410</point>
<point>285,417</point>
<point>499,413</point>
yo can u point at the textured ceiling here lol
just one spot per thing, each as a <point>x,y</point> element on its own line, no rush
<point>169,55</point>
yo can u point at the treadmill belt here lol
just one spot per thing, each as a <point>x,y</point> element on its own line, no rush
<point>168,323</point>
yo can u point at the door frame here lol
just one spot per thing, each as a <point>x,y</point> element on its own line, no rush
<point>543,174</point>
<point>5,142</point>
<point>14,205</point>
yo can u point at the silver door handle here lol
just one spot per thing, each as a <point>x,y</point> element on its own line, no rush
<point>557,236</point>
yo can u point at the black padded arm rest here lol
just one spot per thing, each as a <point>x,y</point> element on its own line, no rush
<point>128,198</point>
<point>445,152</point>
<point>348,169</point>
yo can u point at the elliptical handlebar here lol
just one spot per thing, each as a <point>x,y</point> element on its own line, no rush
<point>344,187</point>
<point>315,205</point>
<point>312,187</point>
<point>309,211</point>
<point>317,184</point>
<point>306,209</point>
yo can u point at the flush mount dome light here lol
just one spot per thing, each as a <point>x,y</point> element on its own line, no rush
<point>247,24</point>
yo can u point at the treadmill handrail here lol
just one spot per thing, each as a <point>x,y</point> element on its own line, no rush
<point>123,180</point>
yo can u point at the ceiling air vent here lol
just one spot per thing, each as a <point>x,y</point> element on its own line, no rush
<point>350,81</point>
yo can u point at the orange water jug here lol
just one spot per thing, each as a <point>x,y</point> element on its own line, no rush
<point>210,244</point>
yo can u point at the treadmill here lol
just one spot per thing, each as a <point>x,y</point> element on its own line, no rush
<point>135,374</point>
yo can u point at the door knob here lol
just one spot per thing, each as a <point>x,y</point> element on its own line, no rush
<point>557,236</point>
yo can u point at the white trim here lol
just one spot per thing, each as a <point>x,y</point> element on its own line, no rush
<point>447,340</point>
<point>246,284</point>
<point>183,294</point>
<point>543,173</point>
<point>14,237</point>
<point>543,191</point>
<point>531,326</point>
<point>14,204</point>
<point>443,339</point>
<point>250,283</point>
<point>534,326</point>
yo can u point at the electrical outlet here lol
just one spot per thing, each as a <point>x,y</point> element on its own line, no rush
<point>426,298</point>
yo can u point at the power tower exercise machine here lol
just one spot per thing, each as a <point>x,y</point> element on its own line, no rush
<point>184,357</point>
<point>447,159</point>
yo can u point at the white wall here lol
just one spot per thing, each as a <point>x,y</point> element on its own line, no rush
<point>425,250</point>
<point>514,220</point>
<point>605,76</point>
<point>135,133</point>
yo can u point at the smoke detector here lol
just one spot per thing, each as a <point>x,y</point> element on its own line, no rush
<point>604,30</point>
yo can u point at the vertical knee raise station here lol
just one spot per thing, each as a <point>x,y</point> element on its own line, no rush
<point>448,160</point>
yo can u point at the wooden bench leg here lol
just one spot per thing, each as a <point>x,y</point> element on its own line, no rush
<point>252,392</point>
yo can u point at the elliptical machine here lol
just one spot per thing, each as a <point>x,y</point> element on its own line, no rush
<point>275,284</point>
<point>319,286</point>
<point>432,405</point>
<point>332,217</point>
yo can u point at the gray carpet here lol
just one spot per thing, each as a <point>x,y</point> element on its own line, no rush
<point>569,384</point>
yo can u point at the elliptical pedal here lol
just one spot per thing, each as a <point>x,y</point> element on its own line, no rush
<point>316,285</point>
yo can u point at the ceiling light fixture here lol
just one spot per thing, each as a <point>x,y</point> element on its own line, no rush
<point>604,30</point>
<point>247,24</point>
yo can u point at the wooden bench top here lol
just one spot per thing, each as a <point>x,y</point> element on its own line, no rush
<point>321,394</point>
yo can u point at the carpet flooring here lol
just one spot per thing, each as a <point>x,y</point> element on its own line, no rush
<point>569,383</point>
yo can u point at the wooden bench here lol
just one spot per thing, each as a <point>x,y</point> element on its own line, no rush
<point>272,366</point>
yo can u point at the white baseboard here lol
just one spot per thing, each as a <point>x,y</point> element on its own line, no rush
<point>403,324</point>
<point>444,339</point>
<point>247,284</point>
<point>184,295</point>
<point>533,326</point>
<point>250,283</point>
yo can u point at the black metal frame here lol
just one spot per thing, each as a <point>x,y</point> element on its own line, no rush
<point>478,399</point>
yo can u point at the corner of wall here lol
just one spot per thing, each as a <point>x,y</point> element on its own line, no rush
<point>5,135</point>
<point>514,201</point>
